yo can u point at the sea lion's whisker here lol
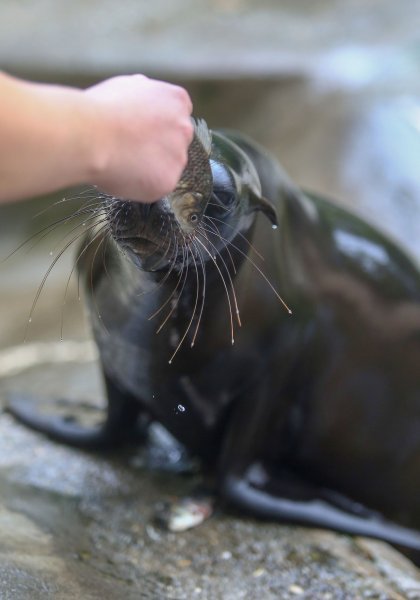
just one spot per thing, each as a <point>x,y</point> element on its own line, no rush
<point>172,258</point>
<point>199,230</point>
<point>171,294</point>
<point>112,216</point>
<point>45,230</point>
<point>204,234</point>
<point>81,253</point>
<point>89,193</point>
<point>179,295</point>
<point>194,309</point>
<point>168,246</point>
<point>260,271</point>
<point>164,278</point>
<point>163,221</point>
<point>237,232</point>
<point>108,236</point>
<point>263,275</point>
<point>203,295</point>
<point>88,220</point>
<point>86,208</point>
<point>91,276</point>
<point>161,282</point>
<point>216,204</point>
<point>104,249</point>
<point>192,250</point>
<point>98,202</point>
<point>224,284</point>
<point>168,299</point>
<point>162,258</point>
<point>227,209</point>
<point>45,277</point>
<point>86,192</point>
<point>225,243</point>
<point>91,213</point>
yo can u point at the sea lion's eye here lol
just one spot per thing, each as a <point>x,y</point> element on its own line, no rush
<point>193,218</point>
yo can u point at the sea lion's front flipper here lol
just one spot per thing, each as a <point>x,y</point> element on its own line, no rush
<point>117,425</point>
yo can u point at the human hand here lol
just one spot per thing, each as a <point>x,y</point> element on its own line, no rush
<point>141,130</point>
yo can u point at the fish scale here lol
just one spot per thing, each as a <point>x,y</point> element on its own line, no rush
<point>197,176</point>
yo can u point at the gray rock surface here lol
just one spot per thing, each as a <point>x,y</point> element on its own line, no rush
<point>79,525</point>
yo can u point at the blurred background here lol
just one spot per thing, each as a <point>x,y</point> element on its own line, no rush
<point>332,87</point>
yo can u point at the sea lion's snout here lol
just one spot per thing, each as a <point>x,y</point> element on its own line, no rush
<point>141,230</point>
<point>165,229</point>
<point>154,235</point>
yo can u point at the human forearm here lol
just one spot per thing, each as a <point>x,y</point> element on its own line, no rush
<point>129,135</point>
<point>41,148</point>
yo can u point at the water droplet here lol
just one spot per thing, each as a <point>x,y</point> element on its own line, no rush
<point>169,362</point>
<point>30,320</point>
<point>274,227</point>
<point>181,408</point>
<point>84,224</point>
<point>51,253</point>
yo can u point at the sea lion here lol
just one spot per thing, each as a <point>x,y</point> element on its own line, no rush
<point>313,416</point>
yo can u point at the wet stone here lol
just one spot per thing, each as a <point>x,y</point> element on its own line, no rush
<point>76,524</point>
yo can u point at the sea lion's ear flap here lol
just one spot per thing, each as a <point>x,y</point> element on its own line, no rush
<point>260,203</point>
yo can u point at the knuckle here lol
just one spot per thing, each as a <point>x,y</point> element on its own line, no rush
<point>188,130</point>
<point>139,77</point>
<point>184,96</point>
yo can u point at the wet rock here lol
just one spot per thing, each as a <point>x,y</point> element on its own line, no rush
<point>81,525</point>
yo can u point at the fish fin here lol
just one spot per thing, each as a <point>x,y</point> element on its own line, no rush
<point>203,134</point>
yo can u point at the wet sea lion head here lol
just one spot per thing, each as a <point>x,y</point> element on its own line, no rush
<point>215,199</point>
